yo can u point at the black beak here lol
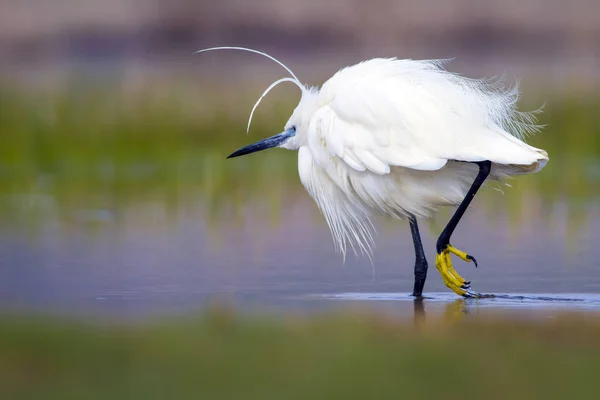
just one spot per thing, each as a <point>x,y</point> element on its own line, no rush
<point>264,144</point>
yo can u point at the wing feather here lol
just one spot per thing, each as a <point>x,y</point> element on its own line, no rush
<point>353,162</point>
<point>387,112</point>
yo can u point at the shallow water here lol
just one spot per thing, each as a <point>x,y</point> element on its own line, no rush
<point>125,207</point>
<point>147,260</point>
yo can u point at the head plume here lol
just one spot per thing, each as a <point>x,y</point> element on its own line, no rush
<point>293,79</point>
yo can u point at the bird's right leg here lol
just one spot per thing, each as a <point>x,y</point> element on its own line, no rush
<point>443,262</point>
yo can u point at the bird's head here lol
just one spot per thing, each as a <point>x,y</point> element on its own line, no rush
<point>294,133</point>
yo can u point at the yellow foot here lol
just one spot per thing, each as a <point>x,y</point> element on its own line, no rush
<point>449,275</point>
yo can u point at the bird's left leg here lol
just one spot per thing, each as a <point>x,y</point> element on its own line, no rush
<point>420,260</point>
<point>442,261</point>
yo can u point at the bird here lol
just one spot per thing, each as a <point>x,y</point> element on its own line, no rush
<point>402,138</point>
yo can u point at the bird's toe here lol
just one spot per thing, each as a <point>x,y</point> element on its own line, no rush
<point>451,277</point>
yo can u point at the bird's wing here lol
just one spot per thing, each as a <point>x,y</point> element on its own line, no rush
<point>412,114</point>
<point>363,147</point>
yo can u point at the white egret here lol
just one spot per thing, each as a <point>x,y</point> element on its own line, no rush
<point>402,138</point>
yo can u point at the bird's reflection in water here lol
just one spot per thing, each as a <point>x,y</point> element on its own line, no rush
<point>453,311</point>
<point>458,309</point>
<point>419,310</point>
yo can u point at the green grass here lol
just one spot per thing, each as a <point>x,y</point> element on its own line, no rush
<point>335,356</point>
<point>99,146</point>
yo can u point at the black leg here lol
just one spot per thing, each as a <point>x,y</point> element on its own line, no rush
<point>444,239</point>
<point>420,261</point>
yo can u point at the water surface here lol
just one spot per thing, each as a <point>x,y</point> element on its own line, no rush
<point>147,261</point>
<point>126,207</point>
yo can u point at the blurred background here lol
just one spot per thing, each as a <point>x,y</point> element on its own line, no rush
<point>115,196</point>
<point>550,43</point>
<point>117,203</point>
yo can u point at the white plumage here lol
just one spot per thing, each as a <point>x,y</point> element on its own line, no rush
<point>398,137</point>
<point>385,135</point>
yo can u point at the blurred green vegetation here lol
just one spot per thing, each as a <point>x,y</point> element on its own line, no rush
<point>98,147</point>
<point>220,355</point>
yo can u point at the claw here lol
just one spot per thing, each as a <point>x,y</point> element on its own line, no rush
<point>471,258</point>
<point>472,295</point>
